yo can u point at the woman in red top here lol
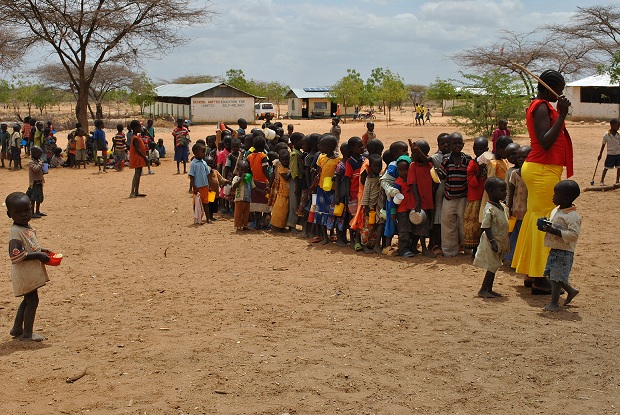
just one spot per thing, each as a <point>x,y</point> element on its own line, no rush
<point>259,164</point>
<point>551,151</point>
<point>137,157</point>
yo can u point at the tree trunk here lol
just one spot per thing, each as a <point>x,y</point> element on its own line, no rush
<point>98,111</point>
<point>92,114</point>
<point>81,105</point>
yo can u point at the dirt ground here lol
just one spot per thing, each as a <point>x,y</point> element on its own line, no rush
<point>168,318</point>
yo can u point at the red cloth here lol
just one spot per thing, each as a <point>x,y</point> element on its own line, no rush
<point>408,202</point>
<point>420,174</point>
<point>561,152</point>
<point>135,160</point>
<point>475,186</point>
<point>497,134</point>
<point>354,175</point>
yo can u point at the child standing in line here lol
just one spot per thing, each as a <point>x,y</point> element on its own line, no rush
<point>401,214</point>
<point>494,240</point>
<point>137,158</point>
<point>242,185</point>
<point>370,133</point>
<point>222,156</point>
<point>612,139</point>
<point>120,148</point>
<point>16,147</point>
<point>497,167</point>
<point>352,180</point>
<point>443,148</point>
<point>561,236</point>
<point>199,177</point>
<point>35,181</point>
<point>259,165</point>
<point>280,210</point>
<point>296,165</point>
<point>230,168</point>
<point>476,177</point>
<point>216,181</point>
<point>357,223</point>
<point>28,259</point>
<point>502,129</point>
<point>517,199</point>
<point>340,195</point>
<point>5,138</point>
<point>326,163</point>
<point>511,157</point>
<point>420,181</point>
<point>453,171</point>
<point>397,149</point>
<point>371,203</point>
<point>80,147</point>
<point>312,150</point>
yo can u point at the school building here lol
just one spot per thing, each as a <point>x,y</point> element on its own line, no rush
<point>593,98</point>
<point>310,103</point>
<point>202,103</point>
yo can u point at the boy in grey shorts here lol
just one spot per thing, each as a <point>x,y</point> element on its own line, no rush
<point>562,231</point>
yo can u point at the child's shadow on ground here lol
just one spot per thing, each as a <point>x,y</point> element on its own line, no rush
<point>15,345</point>
<point>566,313</point>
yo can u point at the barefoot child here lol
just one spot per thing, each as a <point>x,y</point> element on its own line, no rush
<point>443,148</point>
<point>612,161</point>
<point>279,212</point>
<point>352,180</point>
<point>199,176</point>
<point>16,147</point>
<point>120,148</point>
<point>561,236</point>
<point>216,181</point>
<point>476,177</point>
<point>101,146</point>
<point>137,158</point>
<point>371,203</point>
<point>517,199</point>
<point>420,181</point>
<point>340,196</point>
<point>28,271</point>
<point>401,216</point>
<point>181,145</point>
<point>326,163</point>
<point>494,240</point>
<point>5,139</point>
<point>35,181</point>
<point>242,186</point>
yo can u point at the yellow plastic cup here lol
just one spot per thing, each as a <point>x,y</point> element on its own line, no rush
<point>372,217</point>
<point>339,209</point>
<point>327,184</point>
<point>212,196</point>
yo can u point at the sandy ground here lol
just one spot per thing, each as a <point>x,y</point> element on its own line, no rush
<point>173,319</point>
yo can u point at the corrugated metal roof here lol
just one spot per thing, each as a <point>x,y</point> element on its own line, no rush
<point>184,90</point>
<point>189,90</point>
<point>303,94</point>
<point>594,80</point>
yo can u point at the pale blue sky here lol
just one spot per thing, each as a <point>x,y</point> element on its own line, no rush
<point>312,43</point>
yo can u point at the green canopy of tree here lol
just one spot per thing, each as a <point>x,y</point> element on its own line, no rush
<point>348,91</point>
<point>391,90</point>
<point>485,98</point>
<point>142,92</point>
<point>441,91</point>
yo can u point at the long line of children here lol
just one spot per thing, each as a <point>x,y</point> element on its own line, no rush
<point>445,203</point>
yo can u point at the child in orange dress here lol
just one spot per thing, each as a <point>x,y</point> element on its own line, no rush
<point>280,210</point>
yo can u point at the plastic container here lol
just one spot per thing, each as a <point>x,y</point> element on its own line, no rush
<point>247,178</point>
<point>55,259</point>
<point>314,199</point>
<point>372,217</point>
<point>383,214</point>
<point>398,198</point>
<point>212,196</point>
<point>269,133</point>
<point>339,209</point>
<point>434,176</point>
<point>45,168</point>
<point>311,216</point>
<point>327,183</point>
<point>227,189</point>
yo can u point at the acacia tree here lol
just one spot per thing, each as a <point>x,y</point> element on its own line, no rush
<point>348,90</point>
<point>85,34</point>
<point>487,97</point>
<point>441,91</point>
<point>391,91</point>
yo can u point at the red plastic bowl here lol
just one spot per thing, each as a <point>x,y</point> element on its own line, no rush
<point>55,259</point>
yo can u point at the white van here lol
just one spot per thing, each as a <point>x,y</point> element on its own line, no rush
<point>262,109</point>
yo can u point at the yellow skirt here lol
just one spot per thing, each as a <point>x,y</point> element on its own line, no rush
<point>530,255</point>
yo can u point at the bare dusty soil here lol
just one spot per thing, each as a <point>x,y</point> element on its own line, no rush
<point>168,318</point>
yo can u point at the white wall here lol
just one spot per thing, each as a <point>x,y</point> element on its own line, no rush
<point>222,109</point>
<point>593,110</point>
<point>296,102</point>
